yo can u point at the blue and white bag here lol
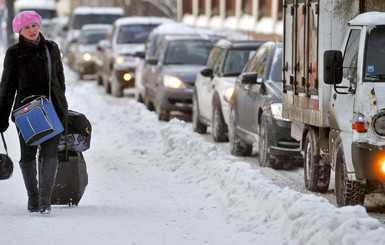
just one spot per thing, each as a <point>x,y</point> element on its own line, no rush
<point>37,120</point>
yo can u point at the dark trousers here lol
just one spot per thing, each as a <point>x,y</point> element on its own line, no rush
<point>49,149</point>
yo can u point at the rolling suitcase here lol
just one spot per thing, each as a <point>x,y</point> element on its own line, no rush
<point>71,179</point>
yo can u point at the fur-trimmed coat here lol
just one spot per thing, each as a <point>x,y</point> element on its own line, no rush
<point>26,73</point>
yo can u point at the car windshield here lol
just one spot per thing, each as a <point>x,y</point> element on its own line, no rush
<point>188,52</point>
<point>92,36</point>
<point>84,19</point>
<point>276,66</point>
<point>235,61</point>
<point>375,55</point>
<point>134,33</point>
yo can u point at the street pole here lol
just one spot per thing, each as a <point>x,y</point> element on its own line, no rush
<point>11,14</point>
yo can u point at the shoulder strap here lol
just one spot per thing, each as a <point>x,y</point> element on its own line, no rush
<point>49,71</point>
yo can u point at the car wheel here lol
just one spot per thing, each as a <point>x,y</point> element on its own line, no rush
<point>116,88</point>
<point>316,171</point>
<point>196,122</point>
<point>219,127</point>
<point>148,102</point>
<point>99,80</point>
<point>163,115</point>
<point>264,157</point>
<point>237,146</point>
<point>347,192</point>
<point>107,86</point>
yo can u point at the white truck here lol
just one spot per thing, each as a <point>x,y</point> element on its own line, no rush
<point>334,93</point>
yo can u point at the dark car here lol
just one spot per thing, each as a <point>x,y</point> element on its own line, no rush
<point>85,48</point>
<point>256,111</point>
<point>215,84</point>
<point>170,83</point>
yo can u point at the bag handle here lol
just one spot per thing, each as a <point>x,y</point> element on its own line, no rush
<point>5,144</point>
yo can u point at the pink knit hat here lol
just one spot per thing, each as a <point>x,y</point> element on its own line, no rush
<point>25,18</point>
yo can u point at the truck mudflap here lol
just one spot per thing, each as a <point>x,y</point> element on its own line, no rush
<point>369,161</point>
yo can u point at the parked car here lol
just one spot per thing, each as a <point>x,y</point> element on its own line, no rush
<point>214,86</point>
<point>256,111</point>
<point>153,40</point>
<point>87,15</point>
<point>85,48</point>
<point>169,83</point>
<point>116,62</point>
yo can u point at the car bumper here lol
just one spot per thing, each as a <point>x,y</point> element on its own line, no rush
<point>176,99</point>
<point>280,143</point>
<point>87,68</point>
<point>367,161</point>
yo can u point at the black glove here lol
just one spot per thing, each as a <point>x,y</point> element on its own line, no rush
<point>3,126</point>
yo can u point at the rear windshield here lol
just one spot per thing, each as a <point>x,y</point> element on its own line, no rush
<point>134,33</point>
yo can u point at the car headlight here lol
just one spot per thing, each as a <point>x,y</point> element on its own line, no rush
<point>173,82</point>
<point>87,56</point>
<point>228,94</point>
<point>276,111</point>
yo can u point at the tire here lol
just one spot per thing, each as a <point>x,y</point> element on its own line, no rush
<point>316,171</point>
<point>218,125</point>
<point>148,103</point>
<point>347,192</point>
<point>116,89</point>
<point>198,127</point>
<point>163,115</point>
<point>107,86</point>
<point>237,146</point>
<point>264,157</point>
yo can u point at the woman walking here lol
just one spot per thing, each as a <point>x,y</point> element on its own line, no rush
<point>26,73</point>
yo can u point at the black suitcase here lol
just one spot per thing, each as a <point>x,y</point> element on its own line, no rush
<point>71,179</point>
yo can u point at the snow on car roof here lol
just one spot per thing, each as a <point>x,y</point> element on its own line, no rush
<point>180,28</point>
<point>141,20</point>
<point>98,10</point>
<point>369,19</point>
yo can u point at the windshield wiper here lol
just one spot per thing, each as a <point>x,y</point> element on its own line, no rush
<point>376,77</point>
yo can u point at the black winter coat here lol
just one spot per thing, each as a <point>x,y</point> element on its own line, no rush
<point>26,73</point>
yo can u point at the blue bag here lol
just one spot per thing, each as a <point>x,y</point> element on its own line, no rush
<point>37,120</point>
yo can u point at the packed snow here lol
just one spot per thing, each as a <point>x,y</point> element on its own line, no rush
<point>153,182</point>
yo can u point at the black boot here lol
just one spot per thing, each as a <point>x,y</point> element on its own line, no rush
<point>28,169</point>
<point>47,180</point>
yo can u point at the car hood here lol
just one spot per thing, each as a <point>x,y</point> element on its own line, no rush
<point>128,48</point>
<point>187,73</point>
<point>87,48</point>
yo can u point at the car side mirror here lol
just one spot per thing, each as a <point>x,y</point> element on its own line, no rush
<point>152,60</point>
<point>207,72</point>
<point>333,67</point>
<point>249,77</point>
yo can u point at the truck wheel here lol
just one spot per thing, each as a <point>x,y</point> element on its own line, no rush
<point>237,146</point>
<point>198,127</point>
<point>219,127</point>
<point>264,157</point>
<point>316,171</point>
<point>347,192</point>
<point>163,115</point>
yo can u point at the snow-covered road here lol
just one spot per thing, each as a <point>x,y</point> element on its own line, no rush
<point>152,182</point>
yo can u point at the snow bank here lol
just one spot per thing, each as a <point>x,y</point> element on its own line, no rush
<point>254,204</point>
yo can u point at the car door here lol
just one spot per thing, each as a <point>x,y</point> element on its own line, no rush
<point>249,100</point>
<point>204,84</point>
